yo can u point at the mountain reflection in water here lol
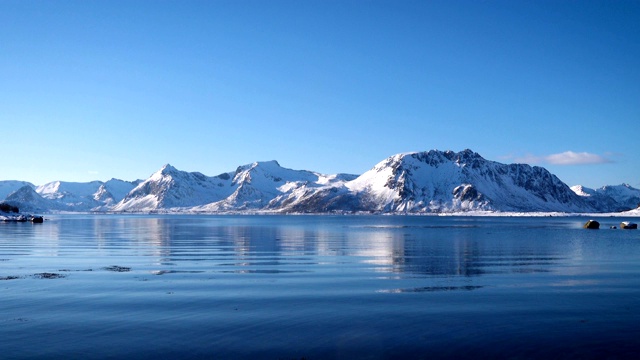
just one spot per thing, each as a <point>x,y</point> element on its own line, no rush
<point>185,286</point>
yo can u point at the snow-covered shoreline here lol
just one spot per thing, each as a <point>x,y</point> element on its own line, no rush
<point>632,213</point>
<point>21,218</point>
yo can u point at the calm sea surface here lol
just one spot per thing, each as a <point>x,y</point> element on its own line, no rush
<point>318,287</point>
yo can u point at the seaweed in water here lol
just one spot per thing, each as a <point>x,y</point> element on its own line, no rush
<point>117,268</point>
<point>162,272</point>
<point>69,270</point>
<point>48,276</point>
<point>10,277</point>
<point>433,289</point>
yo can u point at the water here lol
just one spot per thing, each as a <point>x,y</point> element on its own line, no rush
<point>318,287</point>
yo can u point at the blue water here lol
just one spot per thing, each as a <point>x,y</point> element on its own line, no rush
<point>318,287</point>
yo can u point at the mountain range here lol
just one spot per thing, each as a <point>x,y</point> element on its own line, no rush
<point>420,182</point>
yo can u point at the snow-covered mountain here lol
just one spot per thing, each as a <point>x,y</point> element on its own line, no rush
<point>264,185</point>
<point>65,196</point>
<point>9,186</point>
<point>431,181</point>
<point>610,198</point>
<point>112,192</point>
<point>437,181</point>
<point>94,195</point>
<point>171,188</point>
<point>420,182</point>
<point>250,187</point>
<point>27,199</point>
<point>71,195</point>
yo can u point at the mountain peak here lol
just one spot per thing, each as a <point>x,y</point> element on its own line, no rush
<point>266,164</point>
<point>468,153</point>
<point>168,168</point>
<point>464,156</point>
<point>165,170</point>
<point>263,165</point>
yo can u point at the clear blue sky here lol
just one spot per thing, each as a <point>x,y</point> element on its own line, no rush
<point>91,90</point>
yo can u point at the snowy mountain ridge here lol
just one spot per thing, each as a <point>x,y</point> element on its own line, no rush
<point>613,198</point>
<point>417,182</point>
<point>464,180</point>
<point>436,182</point>
<point>66,196</point>
<point>250,187</point>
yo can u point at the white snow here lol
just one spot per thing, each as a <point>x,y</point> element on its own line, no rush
<point>582,191</point>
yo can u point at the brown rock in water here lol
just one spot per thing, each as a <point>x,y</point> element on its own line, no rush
<point>592,224</point>
<point>628,225</point>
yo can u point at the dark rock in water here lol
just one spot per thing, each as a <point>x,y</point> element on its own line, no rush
<point>613,227</point>
<point>592,224</point>
<point>36,219</point>
<point>628,225</point>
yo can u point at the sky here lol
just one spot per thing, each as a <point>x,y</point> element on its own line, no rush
<point>94,90</point>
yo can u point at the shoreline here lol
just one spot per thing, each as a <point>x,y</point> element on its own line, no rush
<point>632,213</point>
